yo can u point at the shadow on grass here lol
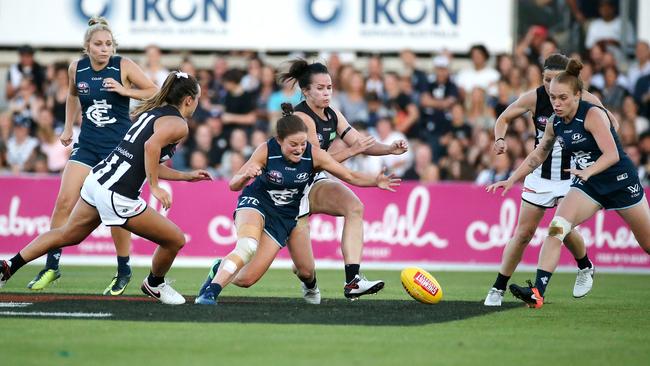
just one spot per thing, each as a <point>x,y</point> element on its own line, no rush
<point>275,310</point>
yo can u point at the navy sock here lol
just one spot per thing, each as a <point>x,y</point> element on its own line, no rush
<point>123,266</point>
<point>16,262</point>
<point>215,288</point>
<point>541,280</point>
<point>310,284</point>
<point>155,281</point>
<point>501,282</point>
<point>53,257</point>
<point>351,270</point>
<point>584,262</point>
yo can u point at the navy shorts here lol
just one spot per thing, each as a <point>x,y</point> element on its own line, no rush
<point>277,226</point>
<point>619,199</point>
<point>86,156</point>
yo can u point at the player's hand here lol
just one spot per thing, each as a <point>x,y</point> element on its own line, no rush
<point>500,146</point>
<point>399,147</point>
<point>505,184</point>
<point>582,174</point>
<point>387,182</point>
<point>162,196</point>
<point>66,137</point>
<point>252,171</point>
<point>114,86</point>
<point>362,144</point>
<point>198,175</point>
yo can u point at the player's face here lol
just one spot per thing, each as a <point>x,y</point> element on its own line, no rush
<point>101,47</point>
<point>564,100</point>
<point>548,75</point>
<point>194,103</point>
<point>293,146</point>
<point>319,92</point>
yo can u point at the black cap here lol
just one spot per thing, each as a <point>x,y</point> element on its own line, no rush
<point>25,49</point>
<point>22,121</point>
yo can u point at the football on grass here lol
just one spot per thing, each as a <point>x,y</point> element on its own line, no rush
<point>421,285</point>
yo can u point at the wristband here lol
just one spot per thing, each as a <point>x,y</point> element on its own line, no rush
<point>500,138</point>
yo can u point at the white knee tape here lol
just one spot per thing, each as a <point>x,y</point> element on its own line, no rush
<point>559,228</point>
<point>245,248</point>
<point>229,266</point>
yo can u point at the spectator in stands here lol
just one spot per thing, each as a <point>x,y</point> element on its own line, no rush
<point>630,112</point>
<point>533,76</point>
<point>609,30</point>
<point>436,102</point>
<point>26,102</point>
<point>459,129</point>
<point>287,94</point>
<point>217,91</point>
<point>400,105</point>
<point>387,134</point>
<point>352,101</point>
<point>152,66</point>
<point>237,144</point>
<point>480,75</point>
<point>374,81</point>
<point>26,67</point>
<point>423,170</point>
<point>199,160</point>
<point>204,141</point>
<point>55,153</point>
<point>455,166</point>
<point>613,92</point>
<point>57,93</point>
<point>501,169</point>
<point>418,77</point>
<point>641,65</point>
<point>251,81</point>
<point>479,113</point>
<point>239,104</point>
<point>267,87</point>
<point>20,146</point>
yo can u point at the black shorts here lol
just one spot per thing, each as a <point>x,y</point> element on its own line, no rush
<point>619,199</point>
<point>277,226</point>
<point>88,156</point>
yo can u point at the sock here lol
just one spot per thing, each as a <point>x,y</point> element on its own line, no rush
<point>215,288</point>
<point>123,266</point>
<point>15,263</point>
<point>501,282</point>
<point>311,284</point>
<point>53,257</point>
<point>584,262</point>
<point>541,280</point>
<point>351,270</point>
<point>155,281</point>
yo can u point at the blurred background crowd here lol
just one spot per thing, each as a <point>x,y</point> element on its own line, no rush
<point>444,104</point>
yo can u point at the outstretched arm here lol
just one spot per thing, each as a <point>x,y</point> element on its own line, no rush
<point>523,104</point>
<point>251,169</point>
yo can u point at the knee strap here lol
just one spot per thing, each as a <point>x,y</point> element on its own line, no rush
<point>559,227</point>
<point>245,249</point>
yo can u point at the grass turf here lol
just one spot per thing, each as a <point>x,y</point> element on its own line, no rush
<point>269,324</point>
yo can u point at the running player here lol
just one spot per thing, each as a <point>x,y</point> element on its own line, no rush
<point>267,210</point>
<point>604,177</point>
<point>543,188</point>
<point>100,87</point>
<point>111,192</point>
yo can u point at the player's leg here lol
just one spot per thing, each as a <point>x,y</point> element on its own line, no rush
<point>529,217</point>
<point>299,245</point>
<point>152,226</point>
<point>638,218</point>
<point>249,224</point>
<point>71,181</point>
<point>83,220</point>
<point>122,240</point>
<point>335,199</point>
<point>574,209</point>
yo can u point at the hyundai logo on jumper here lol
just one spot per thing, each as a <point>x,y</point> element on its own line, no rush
<point>181,11</point>
<point>86,9</point>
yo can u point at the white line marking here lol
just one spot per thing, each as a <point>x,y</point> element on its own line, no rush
<point>57,314</point>
<point>14,304</point>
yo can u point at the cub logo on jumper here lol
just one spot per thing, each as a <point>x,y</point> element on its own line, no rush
<point>560,141</point>
<point>83,88</point>
<point>275,176</point>
<point>583,159</point>
<point>282,197</point>
<point>98,113</point>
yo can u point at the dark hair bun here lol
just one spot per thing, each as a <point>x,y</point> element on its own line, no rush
<point>287,109</point>
<point>573,67</point>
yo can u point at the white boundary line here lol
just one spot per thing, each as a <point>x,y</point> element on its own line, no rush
<point>56,314</point>
<point>205,262</point>
<point>14,304</point>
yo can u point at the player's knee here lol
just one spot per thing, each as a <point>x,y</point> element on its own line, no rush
<point>66,237</point>
<point>245,248</point>
<point>523,236</point>
<point>559,228</point>
<point>354,207</point>
<point>304,273</point>
<point>65,203</point>
<point>246,281</point>
<point>177,242</point>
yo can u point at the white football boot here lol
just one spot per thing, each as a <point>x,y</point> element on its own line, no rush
<point>494,297</point>
<point>584,282</point>
<point>360,286</point>
<point>163,292</point>
<point>311,295</point>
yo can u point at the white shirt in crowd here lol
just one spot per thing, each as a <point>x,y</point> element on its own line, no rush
<point>600,30</point>
<point>19,153</point>
<point>470,78</point>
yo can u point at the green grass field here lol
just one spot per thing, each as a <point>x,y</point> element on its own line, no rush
<point>269,325</point>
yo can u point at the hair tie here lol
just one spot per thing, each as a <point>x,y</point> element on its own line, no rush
<point>180,74</point>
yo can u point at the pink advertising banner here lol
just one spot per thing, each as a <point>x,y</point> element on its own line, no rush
<point>444,224</point>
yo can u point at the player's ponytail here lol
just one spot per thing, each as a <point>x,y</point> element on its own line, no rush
<point>301,71</point>
<point>95,24</point>
<point>289,123</point>
<point>571,75</point>
<point>176,87</point>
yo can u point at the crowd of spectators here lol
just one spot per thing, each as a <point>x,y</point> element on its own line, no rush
<point>446,111</point>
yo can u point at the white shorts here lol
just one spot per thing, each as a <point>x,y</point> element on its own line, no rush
<point>544,193</point>
<point>304,201</point>
<point>114,209</point>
